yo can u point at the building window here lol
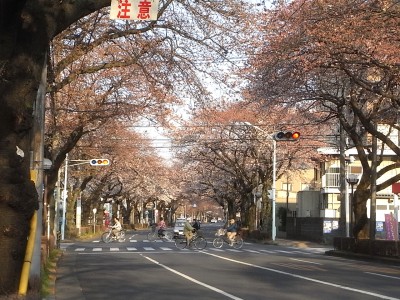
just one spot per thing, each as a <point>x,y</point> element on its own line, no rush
<point>305,187</point>
<point>286,186</point>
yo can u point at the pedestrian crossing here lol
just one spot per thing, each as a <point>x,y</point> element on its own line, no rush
<point>170,247</point>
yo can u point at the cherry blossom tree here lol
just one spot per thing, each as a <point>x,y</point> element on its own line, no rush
<point>338,58</point>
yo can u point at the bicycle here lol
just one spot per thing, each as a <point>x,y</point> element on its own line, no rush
<point>154,234</point>
<point>108,236</point>
<point>198,241</point>
<point>221,238</point>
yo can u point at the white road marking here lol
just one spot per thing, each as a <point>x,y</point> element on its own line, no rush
<point>97,249</point>
<point>148,248</point>
<point>251,251</point>
<point>131,249</point>
<point>306,261</point>
<point>79,249</point>
<point>268,251</point>
<point>387,276</point>
<point>194,280</point>
<point>114,249</point>
<point>165,248</point>
<point>380,296</point>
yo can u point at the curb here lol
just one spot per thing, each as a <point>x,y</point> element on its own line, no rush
<point>53,277</point>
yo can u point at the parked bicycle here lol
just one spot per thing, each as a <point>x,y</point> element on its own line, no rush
<point>198,241</point>
<point>108,236</point>
<point>154,234</point>
<point>221,238</point>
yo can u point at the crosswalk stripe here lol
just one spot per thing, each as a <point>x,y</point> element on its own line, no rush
<point>148,248</point>
<point>165,248</point>
<point>97,249</point>
<point>80,249</point>
<point>114,249</point>
<point>133,241</point>
<point>131,249</point>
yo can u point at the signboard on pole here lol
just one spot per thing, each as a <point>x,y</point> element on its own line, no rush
<point>144,10</point>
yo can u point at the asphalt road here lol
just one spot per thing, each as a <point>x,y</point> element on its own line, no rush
<point>140,269</point>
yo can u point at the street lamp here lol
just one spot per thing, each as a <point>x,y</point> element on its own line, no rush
<point>352,179</point>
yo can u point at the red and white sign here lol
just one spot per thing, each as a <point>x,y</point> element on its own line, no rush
<point>145,10</point>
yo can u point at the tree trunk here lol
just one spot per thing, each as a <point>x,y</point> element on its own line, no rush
<point>21,65</point>
<point>361,227</point>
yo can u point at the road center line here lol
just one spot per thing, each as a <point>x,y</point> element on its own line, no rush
<point>193,280</point>
<point>380,296</point>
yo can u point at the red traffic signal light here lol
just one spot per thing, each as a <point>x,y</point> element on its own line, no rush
<point>287,136</point>
<point>99,162</point>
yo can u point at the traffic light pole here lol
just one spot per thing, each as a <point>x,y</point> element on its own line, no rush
<point>92,162</point>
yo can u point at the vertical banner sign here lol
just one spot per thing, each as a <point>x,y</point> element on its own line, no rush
<point>145,10</point>
<point>391,227</point>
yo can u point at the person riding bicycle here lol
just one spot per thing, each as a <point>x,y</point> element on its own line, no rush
<point>116,228</point>
<point>161,227</point>
<point>188,231</point>
<point>196,224</point>
<point>231,230</point>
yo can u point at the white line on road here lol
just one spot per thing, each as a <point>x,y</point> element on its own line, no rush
<point>149,248</point>
<point>194,280</point>
<point>387,276</point>
<point>306,261</point>
<point>380,296</point>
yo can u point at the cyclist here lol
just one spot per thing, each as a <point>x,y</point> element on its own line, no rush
<point>188,231</point>
<point>116,228</point>
<point>196,224</point>
<point>161,227</point>
<point>231,230</point>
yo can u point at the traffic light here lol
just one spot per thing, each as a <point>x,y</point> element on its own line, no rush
<point>99,162</point>
<point>287,136</point>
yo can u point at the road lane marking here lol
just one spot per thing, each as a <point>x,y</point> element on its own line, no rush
<point>268,251</point>
<point>306,261</point>
<point>165,248</point>
<point>97,249</point>
<point>193,280</point>
<point>80,249</point>
<point>131,249</point>
<point>299,266</point>
<point>251,251</point>
<point>343,287</point>
<point>114,249</point>
<point>387,276</point>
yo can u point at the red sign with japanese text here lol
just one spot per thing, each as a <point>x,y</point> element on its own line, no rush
<point>145,10</point>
